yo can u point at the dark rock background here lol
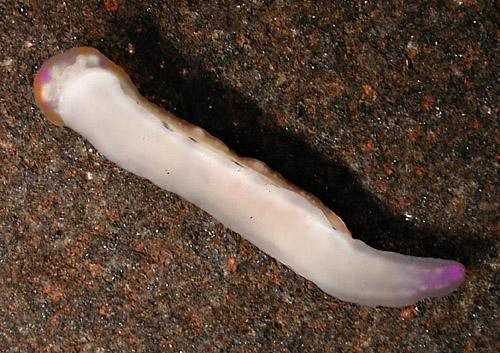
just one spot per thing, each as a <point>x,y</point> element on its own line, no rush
<point>387,111</point>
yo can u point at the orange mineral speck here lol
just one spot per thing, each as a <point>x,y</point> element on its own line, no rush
<point>111,5</point>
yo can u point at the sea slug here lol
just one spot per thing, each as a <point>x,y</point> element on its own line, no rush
<point>84,90</point>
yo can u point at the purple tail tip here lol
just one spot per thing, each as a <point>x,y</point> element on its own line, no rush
<point>446,280</point>
<point>455,273</point>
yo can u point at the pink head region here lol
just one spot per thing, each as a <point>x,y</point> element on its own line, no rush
<point>42,79</point>
<point>45,82</point>
<point>44,75</point>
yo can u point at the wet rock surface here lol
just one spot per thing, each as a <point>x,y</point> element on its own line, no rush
<point>387,113</point>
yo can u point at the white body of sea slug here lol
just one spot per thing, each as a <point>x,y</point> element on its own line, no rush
<point>87,92</point>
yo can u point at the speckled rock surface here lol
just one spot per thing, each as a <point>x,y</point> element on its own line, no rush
<point>388,113</point>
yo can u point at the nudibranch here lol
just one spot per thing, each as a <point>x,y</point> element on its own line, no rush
<point>84,90</point>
